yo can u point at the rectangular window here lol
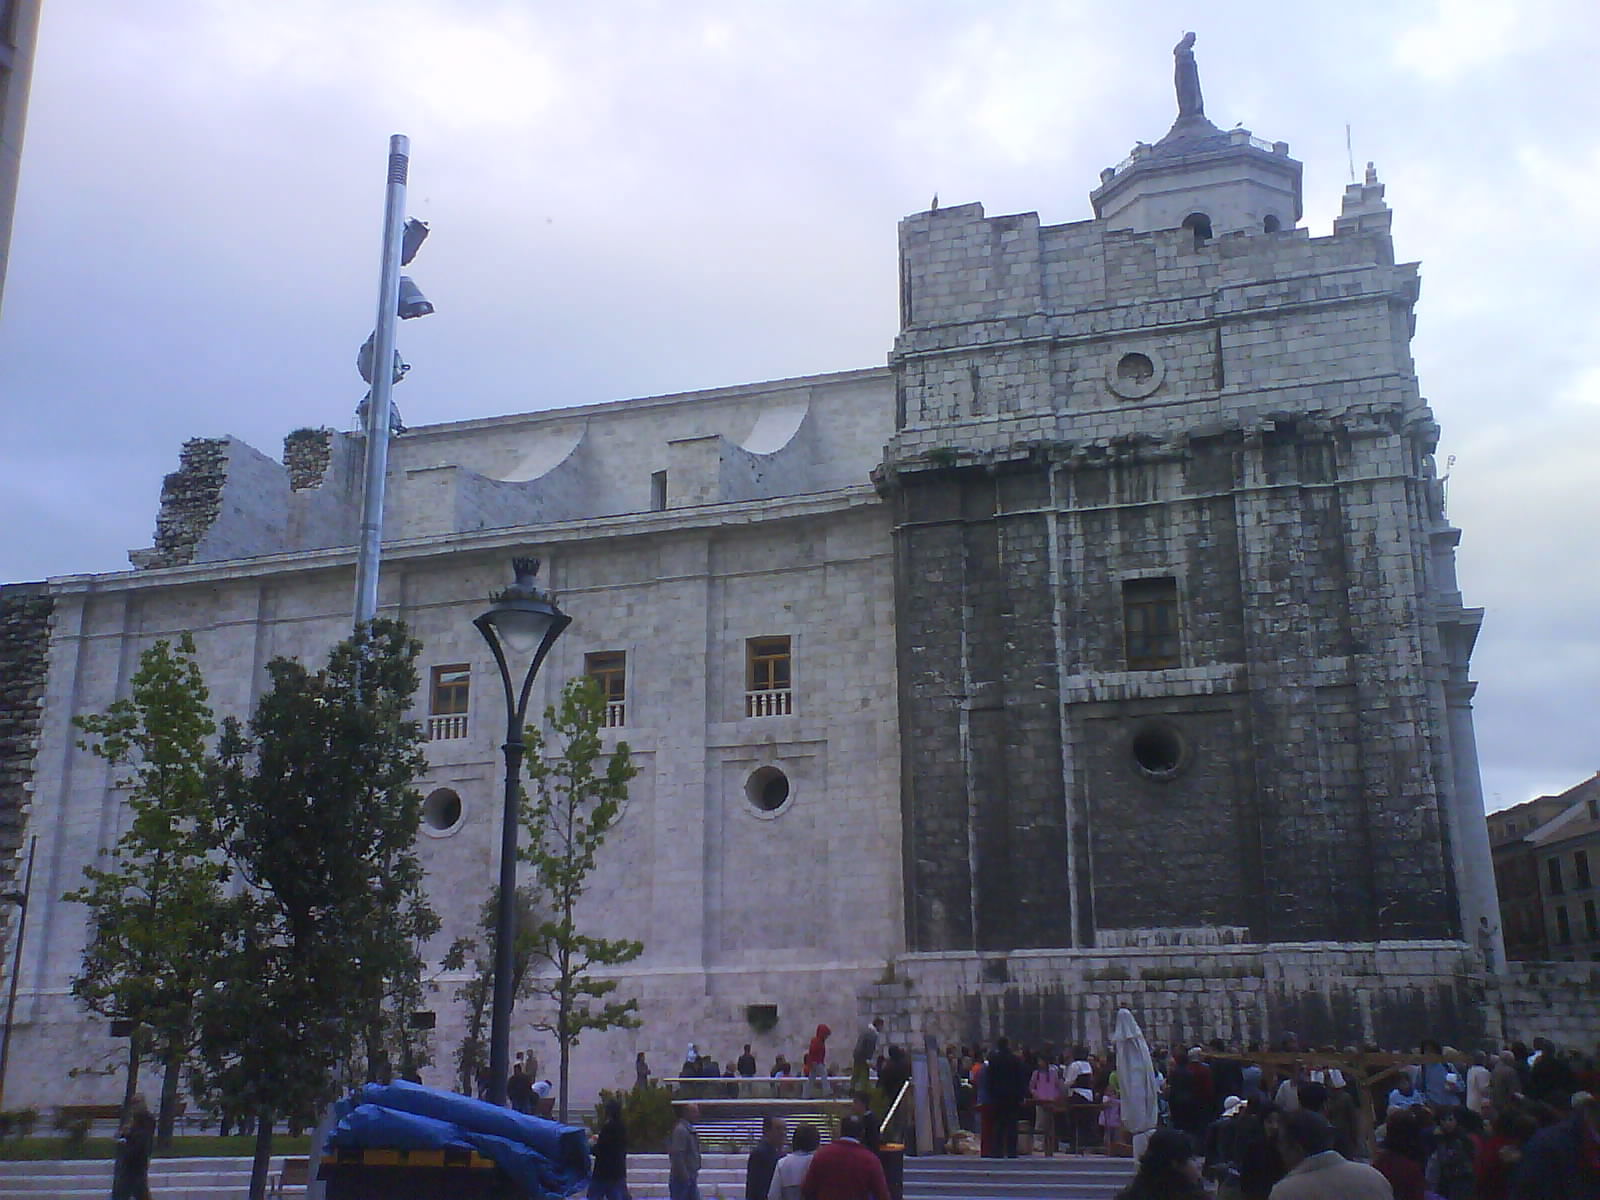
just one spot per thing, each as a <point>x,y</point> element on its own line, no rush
<point>609,669</point>
<point>1591,922</point>
<point>449,688</point>
<point>769,690</point>
<point>1580,868</point>
<point>1150,623</point>
<point>658,491</point>
<point>1563,926</point>
<point>1552,868</point>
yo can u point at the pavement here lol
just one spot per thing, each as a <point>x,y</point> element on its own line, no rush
<point>1063,1177</point>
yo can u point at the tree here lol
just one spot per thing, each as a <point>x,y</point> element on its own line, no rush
<point>153,908</point>
<point>317,813</point>
<point>472,1056</point>
<point>576,801</point>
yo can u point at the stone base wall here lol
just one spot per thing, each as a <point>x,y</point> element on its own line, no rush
<point>1560,1001</point>
<point>1391,994</point>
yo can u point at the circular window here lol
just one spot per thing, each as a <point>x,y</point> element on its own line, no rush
<point>767,789</point>
<point>1134,374</point>
<point>441,811</point>
<point>1158,750</point>
<point>1135,368</point>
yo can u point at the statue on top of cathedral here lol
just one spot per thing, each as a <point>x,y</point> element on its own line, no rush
<point>1186,78</point>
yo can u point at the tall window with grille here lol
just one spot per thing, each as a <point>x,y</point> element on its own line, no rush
<point>1552,867</point>
<point>609,669</point>
<point>769,685</point>
<point>449,690</point>
<point>1150,624</point>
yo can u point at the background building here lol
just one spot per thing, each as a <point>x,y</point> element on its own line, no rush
<point>1543,851</point>
<point>1516,876</point>
<point>19,28</point>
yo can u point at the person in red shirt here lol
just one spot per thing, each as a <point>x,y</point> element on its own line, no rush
<point>815,1064</point>
<point>845,1169</point>
<point>1400,1159</point>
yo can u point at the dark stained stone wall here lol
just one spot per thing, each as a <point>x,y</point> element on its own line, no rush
<point>25,611</point>
<point>1303,808</point>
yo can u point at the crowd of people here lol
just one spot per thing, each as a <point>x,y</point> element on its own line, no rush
<point>1520,1124</point>
<point>1286,1122</point>
<point>868,1060</point>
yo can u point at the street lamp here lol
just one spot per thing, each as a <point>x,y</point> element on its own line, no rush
<point>521,621</point>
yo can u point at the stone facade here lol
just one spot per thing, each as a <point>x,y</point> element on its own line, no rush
<point>770,529</point>
<point>1180,644</point>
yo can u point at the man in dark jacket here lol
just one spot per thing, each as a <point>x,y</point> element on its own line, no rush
<point>1563,1162</point>
<point>763,1160</point>
<point>1007,1081</point>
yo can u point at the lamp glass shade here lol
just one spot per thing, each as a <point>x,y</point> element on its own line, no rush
<point>521,629</point>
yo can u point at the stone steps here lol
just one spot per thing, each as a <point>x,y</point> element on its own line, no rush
<point>170,1179</point>
<point>1064,1177</point>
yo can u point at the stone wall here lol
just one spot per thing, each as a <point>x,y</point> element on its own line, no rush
<point>306,455</point>
<point>1560,1001</point>
<point>191,501</point>
<point>1184,992</point>
<point>25,611</point>
<point>1390,995</point>
<point>1084,412</point>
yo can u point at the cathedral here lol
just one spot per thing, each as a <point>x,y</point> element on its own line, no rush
<point>1102,649</point>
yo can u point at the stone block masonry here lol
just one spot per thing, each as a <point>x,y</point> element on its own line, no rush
<point>1391,995</point>
<point>1088,414</point>
<point>25,612</point>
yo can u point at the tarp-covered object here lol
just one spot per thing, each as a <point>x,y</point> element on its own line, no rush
<point>1137,1077</point>
<point>545,1158</point>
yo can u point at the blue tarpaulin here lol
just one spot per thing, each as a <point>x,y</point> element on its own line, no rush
<point>547,1159</point>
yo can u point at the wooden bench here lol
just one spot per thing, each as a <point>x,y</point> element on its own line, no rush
<point>295,1172</point>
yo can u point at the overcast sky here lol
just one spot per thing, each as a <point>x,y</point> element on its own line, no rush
<point>636,198</point>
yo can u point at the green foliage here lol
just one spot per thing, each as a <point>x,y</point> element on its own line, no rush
<point>76,1126</point>
<point>577,798</point>
<point>647,1112</point>
<point>316,811</point>
<point>472,1055</point>
<point>153,908</point>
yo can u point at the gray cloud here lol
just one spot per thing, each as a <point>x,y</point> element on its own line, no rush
<point>638,198</point>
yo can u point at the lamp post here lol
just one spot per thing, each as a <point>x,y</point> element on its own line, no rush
<point>521,621</point>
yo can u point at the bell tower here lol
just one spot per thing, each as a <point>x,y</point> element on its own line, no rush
<point>1211,181</point>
